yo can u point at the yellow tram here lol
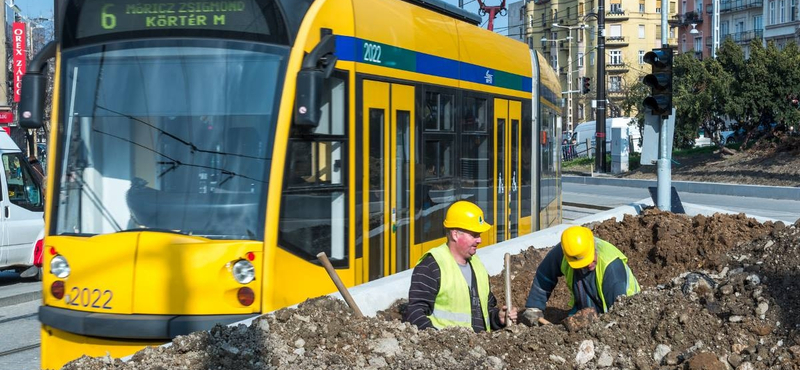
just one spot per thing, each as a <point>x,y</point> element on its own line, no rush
<point>203,153</point>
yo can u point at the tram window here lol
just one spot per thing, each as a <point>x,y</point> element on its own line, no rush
<point>438,114</point>
<point>333,110</point>
<point>476,172</point>
<point>313,216</point>
<point>438,158</point>
<point>474,115</point>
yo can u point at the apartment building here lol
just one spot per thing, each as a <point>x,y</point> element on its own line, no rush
<point>566,32</point>
<point>781,23</point>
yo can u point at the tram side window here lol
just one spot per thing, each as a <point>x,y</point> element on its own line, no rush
<point>474,119</point>
<point>313,216</point>
<point>437,188</point>
<point>439,111</point>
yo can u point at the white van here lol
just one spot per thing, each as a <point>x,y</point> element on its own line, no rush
<point>587,130</point>
<point>21,208</point>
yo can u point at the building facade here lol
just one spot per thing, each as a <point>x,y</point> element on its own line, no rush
<point>566,32</point>
<point>781,22</point>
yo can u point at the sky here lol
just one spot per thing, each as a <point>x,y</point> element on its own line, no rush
<point>35,8</point>
<point>44,8</point>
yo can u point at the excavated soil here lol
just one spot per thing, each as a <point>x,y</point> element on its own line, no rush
<point>719,292</point>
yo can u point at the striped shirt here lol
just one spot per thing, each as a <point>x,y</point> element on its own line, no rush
<point>425,282</point>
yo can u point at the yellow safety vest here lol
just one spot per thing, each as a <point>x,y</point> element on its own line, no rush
<point>606,253</point>
<point>453,304</point>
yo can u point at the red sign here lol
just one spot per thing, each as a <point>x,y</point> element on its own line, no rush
<point>6,117</point>
<point>18,47</point>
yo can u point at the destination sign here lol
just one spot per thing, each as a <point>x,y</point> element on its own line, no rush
<point>114,16</point>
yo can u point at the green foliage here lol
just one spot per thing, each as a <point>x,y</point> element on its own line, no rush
<point>750,91</point>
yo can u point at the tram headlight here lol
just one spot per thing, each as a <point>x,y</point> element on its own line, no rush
<point>243,271</point>
<point>59,267</point>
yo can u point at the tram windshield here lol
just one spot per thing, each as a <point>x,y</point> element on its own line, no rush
<point>168,135</point>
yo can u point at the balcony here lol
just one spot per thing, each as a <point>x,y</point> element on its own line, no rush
<point>616,68</point>
<point>616,15</point>
<point>616,41</point>
<point>615,92</point>
<point>698,55</point>
<point>738,5</point>
<point>745,36</point>
<point>686,19</point>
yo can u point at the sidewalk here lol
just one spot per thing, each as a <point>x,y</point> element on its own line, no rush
<point>750,191</point>
<point>14,290</point>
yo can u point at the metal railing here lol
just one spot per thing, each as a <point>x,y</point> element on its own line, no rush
<point>736,5</point>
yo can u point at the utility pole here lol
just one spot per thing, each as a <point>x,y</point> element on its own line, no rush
<point>600,128</point>
<point>664,170</point>
<point>715,30</point>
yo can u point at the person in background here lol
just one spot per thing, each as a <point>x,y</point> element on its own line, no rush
<point>450,285</point>
<point>595,271</point>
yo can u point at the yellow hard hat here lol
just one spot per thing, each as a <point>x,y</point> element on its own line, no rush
<point>466,216</point>
<point>577,242</point>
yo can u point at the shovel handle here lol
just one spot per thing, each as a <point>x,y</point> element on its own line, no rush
<point>339,285</point>
<point>507,258</point>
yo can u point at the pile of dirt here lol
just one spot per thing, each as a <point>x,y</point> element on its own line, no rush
<point>718,293</point>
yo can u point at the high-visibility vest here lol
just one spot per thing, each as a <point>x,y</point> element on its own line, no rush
<point>452,306</point>
<point>606,253</point>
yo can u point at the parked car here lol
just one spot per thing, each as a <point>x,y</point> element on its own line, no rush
<point>22,205</point>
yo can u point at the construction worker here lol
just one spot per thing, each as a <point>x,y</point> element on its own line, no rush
<point>595,271</point>
<point>450,285</point>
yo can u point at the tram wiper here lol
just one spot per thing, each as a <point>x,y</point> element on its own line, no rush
<point>154,229</point>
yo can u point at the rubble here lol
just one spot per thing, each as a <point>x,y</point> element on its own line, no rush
<point>718,292</point>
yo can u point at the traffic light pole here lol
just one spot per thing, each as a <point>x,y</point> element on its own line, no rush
<point>664,176</point>
<point>600,122</point>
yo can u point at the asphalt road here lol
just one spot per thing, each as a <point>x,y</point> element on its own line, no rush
<point>787,211</point>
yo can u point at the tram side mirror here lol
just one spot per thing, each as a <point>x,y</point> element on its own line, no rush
<point>31,102</point>
<point>308,97</point>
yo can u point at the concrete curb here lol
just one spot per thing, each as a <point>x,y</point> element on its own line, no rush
<point>750,191</point>
<point>20,298</point>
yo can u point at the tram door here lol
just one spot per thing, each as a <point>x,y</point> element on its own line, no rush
<point>388,127</point>
<point>507,115</point>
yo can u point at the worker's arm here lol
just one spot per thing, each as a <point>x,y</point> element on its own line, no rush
<point>494,313</point>
<point>546,279</point>
<point>615,282</point>
<point>425,281</point>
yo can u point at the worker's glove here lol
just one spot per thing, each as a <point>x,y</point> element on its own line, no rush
<point>531,316</point>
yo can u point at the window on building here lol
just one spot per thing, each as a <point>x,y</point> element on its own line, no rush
<point>568,13</point>
<point>792,11</point>
<point>615,57</point>
<point>616,8</point>
<point>544,20</point>
<point>698,7</point>
<point>782,11</point>
<point>672,7</point>
<point>615,84</point>
<point>672,32</point>
<point>580,9</point>
<point>580,60</point>
<point>581,113</point>
<point>580,35</point>
<point>591,58</point>
<point>684,10</point>
<point>658,6</point>
<point>771,12</point>
<point>615,30</point>
<point>521,33</point>
<point>641,6</point>
<point>522,13</point>
<point>724,29</point>
<point>641,56</point>
<point>698,44</point>
<point>553,38</point>
<point>554,62</point>
<point>658,32</point>
<point>641,31</point>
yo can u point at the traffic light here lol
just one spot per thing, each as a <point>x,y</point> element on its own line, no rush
<point>585,83</point>
<point>660,81</point>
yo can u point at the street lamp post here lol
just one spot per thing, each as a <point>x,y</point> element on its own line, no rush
<point>569,71</point>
